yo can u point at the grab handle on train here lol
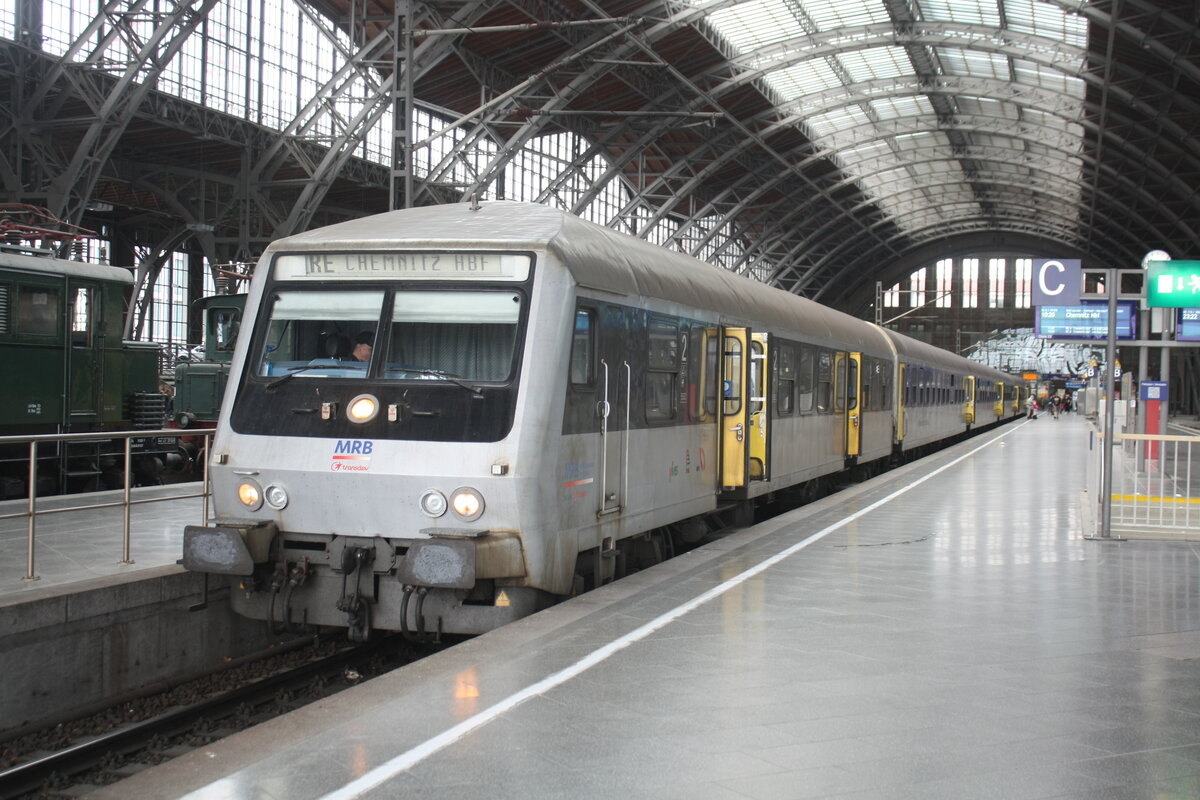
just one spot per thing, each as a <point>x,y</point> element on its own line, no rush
<point>740,430</point>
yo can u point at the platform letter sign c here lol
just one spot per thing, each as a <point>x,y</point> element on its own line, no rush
<point>1056,281</point>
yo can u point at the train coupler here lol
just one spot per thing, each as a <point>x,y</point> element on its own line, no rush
<point>356,608</point>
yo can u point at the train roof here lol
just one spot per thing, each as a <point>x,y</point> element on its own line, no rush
<point>611,261</point>
<point>49,265</point>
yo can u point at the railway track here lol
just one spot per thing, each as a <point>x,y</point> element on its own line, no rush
<point>108,756</point>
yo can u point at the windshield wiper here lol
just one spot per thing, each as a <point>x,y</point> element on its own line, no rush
<point>450,376</point>
<point>285,378</point>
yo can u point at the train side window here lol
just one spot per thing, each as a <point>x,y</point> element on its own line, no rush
<point>583,348</point>
<point>804,380</point>
<point>852,383</point>
<point>732,385</point>
<point>662,371</point>
<point>839,383</point>
<point>709,378</point>
<point>82,317</point>
<point>785,385</point>
<point>758,378</point>
<point>885,386</point>
<point>37,311</point>
<point>824,381</point>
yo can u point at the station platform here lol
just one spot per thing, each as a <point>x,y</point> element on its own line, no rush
<point>87,546</point>
<point>941,631</point>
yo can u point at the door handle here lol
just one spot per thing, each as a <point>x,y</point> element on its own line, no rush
<point>854,420</point>
<point>740,430</point>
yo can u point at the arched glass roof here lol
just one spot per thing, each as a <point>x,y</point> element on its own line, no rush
<point>819,145</point>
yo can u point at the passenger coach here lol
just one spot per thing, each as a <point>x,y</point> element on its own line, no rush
<point>545,404</point>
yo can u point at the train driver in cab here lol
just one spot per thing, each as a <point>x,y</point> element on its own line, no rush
<point>362,346</point>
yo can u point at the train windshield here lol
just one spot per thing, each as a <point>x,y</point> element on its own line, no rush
<point>406,335</point>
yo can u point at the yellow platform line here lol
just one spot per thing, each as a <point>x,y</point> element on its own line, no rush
<point>1142,498</point>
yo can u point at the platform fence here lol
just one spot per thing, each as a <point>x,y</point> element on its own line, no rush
<point>36,507</point>
<point>1155,489</point>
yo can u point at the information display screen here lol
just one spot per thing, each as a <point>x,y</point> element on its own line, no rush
<point>1188,329</point>
<point>1083,322</point>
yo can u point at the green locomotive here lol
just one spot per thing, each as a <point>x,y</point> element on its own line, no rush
<point>200,381</point>
<point>68,370</point>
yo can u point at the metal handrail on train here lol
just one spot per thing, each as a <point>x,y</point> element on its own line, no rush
<point>126,502</point>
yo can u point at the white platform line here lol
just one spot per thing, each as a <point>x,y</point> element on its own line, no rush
<point>395,766</point>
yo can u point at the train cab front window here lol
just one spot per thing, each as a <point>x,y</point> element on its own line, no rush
<point>467,335</point>
<point>321,334</point>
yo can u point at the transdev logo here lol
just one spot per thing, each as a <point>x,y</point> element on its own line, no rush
<point>352,455</point>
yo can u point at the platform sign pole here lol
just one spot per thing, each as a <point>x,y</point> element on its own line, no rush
<point>1110,387</point>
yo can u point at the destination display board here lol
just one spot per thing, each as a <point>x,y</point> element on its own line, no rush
<point>1188,327</point>
<point>1083,322</point>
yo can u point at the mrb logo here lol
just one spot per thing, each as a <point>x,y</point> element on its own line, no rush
<point>352,455</point>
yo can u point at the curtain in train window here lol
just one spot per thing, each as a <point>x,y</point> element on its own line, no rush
<point>466,334</point>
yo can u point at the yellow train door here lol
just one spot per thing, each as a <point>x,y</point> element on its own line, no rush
<point>999,404</point>
<point>900,395</point>
<point>734,407</point>
<point>847,372</point>
<point>758,433</point>
<point>969,405</point>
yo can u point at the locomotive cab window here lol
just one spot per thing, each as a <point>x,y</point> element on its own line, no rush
<point>430,335</point>
<point>469,335</point>
<point>316,334</point>
<point>37,311</point>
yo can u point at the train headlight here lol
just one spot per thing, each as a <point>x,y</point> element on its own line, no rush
<point>467,503</point>
<point>276,497</point>
<point>250,493</point>
<point>433,503</point>
<point>362,408</point>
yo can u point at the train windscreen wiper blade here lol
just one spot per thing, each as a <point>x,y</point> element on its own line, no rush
<point>455,379</point>
<point>285,378</point>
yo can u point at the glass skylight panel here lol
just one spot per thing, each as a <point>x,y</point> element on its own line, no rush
<point>895,107</point>
<point>869,157</point>
<point>1044,19</point>
<point>876,62</point>
<point>1033,74</point>
<point>975,12</point>
<point>988,107</point>
<point>922,140</point>
<point>830,14</point>
<point>973,63</point>
<point>750,26</point>
<point>840,119</point>
<point>803,79</point>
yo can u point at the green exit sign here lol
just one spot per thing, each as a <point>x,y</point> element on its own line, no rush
<point>1173,284</point>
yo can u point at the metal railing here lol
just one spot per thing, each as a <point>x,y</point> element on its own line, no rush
<point>1155,484</point>
<point>32,510</point>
